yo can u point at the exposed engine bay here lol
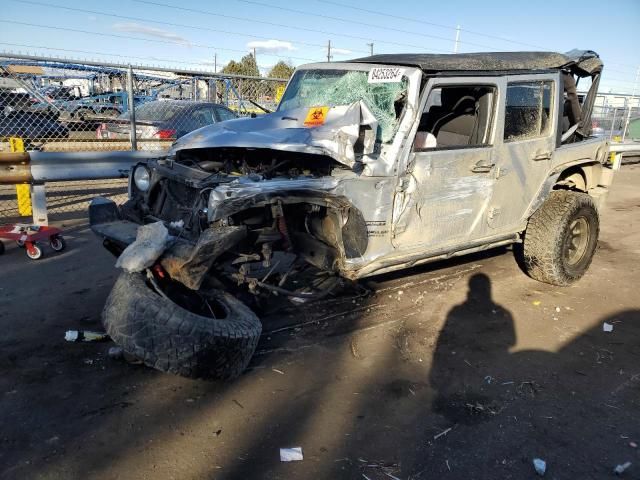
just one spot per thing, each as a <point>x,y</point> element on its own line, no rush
<point>234,227</point>
<point>257,163</point>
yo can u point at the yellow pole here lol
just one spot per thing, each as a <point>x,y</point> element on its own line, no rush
<point>23,191</point>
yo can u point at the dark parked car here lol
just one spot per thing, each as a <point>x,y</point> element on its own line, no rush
<point>31,126</point>
<point>167,119</point>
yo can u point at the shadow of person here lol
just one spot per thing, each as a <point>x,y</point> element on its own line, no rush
<point>476,336</point>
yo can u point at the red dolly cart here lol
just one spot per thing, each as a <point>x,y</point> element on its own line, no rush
<point>27,236</point>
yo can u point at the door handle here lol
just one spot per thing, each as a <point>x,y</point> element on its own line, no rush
<point>482,167</point>
<point>542,156</point>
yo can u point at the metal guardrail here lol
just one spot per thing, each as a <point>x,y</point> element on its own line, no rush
<point>38,168</point>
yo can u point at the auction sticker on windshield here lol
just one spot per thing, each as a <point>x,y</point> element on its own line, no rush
<point>316,116</point>
<point>385,75</point>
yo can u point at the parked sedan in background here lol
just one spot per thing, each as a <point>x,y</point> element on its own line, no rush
<point>166,119</point>
<point>31,126</point>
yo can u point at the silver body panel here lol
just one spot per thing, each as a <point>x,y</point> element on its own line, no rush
<point>418,205</point>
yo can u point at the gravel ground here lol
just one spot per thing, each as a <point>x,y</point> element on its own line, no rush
<point>457,370</point>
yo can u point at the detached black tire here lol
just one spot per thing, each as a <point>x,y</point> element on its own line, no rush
<point>169,338</point>
<point>561,238</point>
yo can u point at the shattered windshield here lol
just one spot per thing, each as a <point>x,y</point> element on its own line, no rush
<point>385,97</point>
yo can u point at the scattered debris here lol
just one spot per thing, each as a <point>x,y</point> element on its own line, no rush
<point>633,444</point>
<point>88,361</point>
<point>441,434</point>
<point>489,379</point>
<point>115,353</point>
<point>291,454</point>
<point>354,349</point>
<point>278,371</point>
<point>540,466</point>
<point>238,403</point>
<point>607,327</point>
<point>151,241</point>
<point>619,470</point>
<point>536,302</point>
<point>558,309</point>
<point>85,336</point>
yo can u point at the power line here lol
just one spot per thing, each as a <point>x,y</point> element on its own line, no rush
<point>279,25</point>
<point>159,22</point>
<point>352,22</point>
<point>127,37</point>
<point>424,22</point>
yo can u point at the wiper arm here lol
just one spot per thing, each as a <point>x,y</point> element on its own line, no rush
<point>255,104</point>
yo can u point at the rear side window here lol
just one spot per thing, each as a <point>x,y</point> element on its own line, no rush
<point>224,114</point>
<point>202,117</point>
<point>528,110</point>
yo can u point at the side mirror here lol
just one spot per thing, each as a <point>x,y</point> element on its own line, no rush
<point>424,141</point>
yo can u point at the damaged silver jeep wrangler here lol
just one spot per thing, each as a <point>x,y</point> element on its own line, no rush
<point>366,167</point>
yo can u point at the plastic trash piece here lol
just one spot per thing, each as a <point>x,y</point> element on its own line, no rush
<point>150,243</point>
<point>84,336</point>
<point>540,466</point>
<point>619,470</point>
<point>291,454</point>
<point>607,327</point>
<point>116,353</point>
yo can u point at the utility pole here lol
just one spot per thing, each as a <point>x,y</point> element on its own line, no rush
<point>215,63</point>
<point>370,48</point>
<point>633,97</point>
<point>329,51</point>
<point>254,55</point>
<point>457,42</point>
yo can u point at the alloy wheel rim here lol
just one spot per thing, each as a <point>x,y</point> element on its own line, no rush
<point>576,240</point>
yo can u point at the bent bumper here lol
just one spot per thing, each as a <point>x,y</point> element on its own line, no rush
<point>184,261</point>
<point>106,221</point>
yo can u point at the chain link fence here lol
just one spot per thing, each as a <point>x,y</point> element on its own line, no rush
<point>66,105</point>
<point>60,105</point>
<point>610,121</point>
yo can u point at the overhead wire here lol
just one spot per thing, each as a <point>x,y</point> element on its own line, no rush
<point>153,40</point>
<point>353,22</point>
<point>279,25</point>
<point>160,22</point>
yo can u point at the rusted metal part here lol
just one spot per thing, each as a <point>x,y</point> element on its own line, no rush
<point>15,168</point>
<point>188,264</point>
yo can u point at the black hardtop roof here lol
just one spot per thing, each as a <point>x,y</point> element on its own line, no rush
<point>581,62</point>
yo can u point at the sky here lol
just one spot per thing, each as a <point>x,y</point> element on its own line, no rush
<point>189,34</point>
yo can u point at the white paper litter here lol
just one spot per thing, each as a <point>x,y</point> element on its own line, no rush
<point>151,241</point>
<point>607,327</point>
<point>291,454</point>
<point>540,466</point>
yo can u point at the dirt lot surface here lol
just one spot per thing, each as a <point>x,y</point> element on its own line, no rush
<point>460,370</point>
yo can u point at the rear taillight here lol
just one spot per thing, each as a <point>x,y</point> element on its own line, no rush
<point>165,134</point>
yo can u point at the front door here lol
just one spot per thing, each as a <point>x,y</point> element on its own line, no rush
<point>444,196</point>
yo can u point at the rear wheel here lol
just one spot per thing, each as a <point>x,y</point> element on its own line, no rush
<point>1,247</point>
<point>561,238</point>
<point>57,243</point>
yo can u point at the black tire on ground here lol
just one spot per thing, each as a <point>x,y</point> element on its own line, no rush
<point>172,339</point>
<point>1,247</point>
<point>57,243</point>
<point>561,238</point>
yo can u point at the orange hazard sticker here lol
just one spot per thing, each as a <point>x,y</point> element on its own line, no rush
<point>316,116</point>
